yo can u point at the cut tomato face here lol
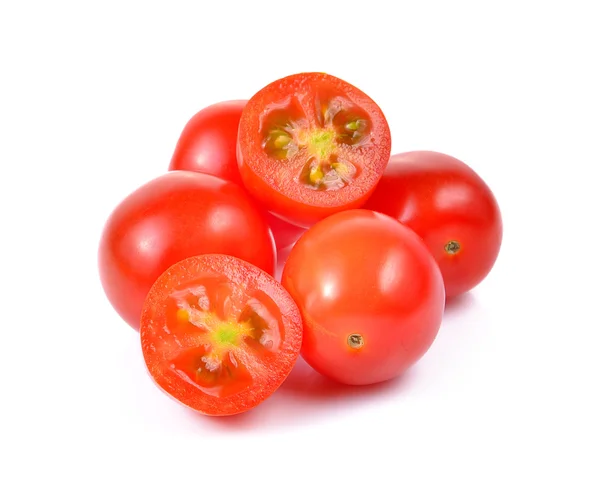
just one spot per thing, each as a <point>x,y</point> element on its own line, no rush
<point>310,145</point>
<point>219,334</point>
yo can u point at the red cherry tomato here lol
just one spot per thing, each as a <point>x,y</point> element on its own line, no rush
<point>370,294</point>
<point>208,141</point>
<point>207,144</point>
<point>218,334</point>
<point>177,215</point>
<point>450,207</point>
<point>310,145</point>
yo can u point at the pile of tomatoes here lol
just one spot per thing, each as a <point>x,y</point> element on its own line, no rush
<point>301,175</point>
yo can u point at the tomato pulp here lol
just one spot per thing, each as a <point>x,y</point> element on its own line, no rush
<point>207,144</point>
<point>218,334</point>
<point>177,215</point>
<point>450,207</point>
<point>370,294</point>
<point>310,145</point>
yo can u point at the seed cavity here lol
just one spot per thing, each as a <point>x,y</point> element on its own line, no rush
<point>353,132</point>
<point>279,143</point>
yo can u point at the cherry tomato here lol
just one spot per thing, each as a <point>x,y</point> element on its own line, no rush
<point>177,215</point>
<point>450,207</point>
<point>208,141</point>
<point>207,144</point>
<point>310,145</point>
<point>218,334</point>
<point>370,294</point>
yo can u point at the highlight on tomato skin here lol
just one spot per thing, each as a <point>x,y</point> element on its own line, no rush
<point>218,334</point>
<point>207,144</point>
<point>450,207</point>
<point>172,217</point>
<point>370,294</point>
<point>310,145</point>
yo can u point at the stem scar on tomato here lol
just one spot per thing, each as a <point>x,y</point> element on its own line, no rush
<point>452,247</point>
<point>355,341</point>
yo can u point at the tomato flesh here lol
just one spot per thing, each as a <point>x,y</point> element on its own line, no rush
<point>450,207</point>
<point>310,145</point>
<point>218,334</point>
<point>370,294</point>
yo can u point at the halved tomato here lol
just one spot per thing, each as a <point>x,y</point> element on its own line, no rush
<point>219,334</point>
<point>310,145</point>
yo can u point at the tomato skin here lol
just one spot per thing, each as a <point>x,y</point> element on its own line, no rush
<point>442,199</point>
<point>160,344</point>
<point>174,216</point>
<point>282,193</point>
<point>207,144</point>
<point>362,272</point>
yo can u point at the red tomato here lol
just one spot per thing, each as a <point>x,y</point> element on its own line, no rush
<point>207,144</point>
<point>310,145</point>
<point>175,216</point>
<point>450,207</point>
<point>370,295</point>
<point>218,334</point>
<point>208,141</point>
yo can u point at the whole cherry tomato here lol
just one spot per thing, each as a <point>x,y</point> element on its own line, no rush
<point>175,216</point>
<point>370,294</point>
<point>450,207</point>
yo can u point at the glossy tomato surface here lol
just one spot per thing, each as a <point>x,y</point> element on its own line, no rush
<point>310,145</point>
<point>218,334</point>
<point>450,207</point>
<point>370,294</point>
<point>208,141</point>
<point>177,215</point>
<point>207,144</point>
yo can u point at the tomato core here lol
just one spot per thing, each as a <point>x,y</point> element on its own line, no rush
<point>324,147</point>
<point>225,329</point>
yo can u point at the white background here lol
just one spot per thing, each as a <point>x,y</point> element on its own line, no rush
<point>93,97</point>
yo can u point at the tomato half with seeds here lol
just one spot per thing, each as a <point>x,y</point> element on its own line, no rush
<point>450,206</point>
<point>370,294</point>
<point>218,334</point>
<point>207,144</point>
<point>310,145</point>
<point>174,216</point>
